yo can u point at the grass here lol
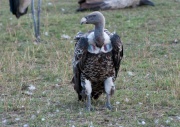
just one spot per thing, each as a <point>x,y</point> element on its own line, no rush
<point>148,85</point>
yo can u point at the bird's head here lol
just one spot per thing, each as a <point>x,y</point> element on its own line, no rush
<point>93,18</point>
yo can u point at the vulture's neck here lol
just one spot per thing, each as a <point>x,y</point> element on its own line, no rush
<point>99,34</point>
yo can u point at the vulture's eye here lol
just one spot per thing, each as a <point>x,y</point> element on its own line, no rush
<point>92,16</point>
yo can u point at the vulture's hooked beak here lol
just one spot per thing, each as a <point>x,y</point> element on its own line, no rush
<point>83,21</point>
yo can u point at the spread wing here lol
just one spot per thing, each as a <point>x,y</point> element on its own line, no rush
<point>117,51</point>
<point>78,63</point>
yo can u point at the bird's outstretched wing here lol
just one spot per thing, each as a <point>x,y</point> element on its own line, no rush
<point>78,63</point>
<point>117,51</point>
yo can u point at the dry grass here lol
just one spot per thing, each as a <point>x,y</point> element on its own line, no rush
<point>148,86</point>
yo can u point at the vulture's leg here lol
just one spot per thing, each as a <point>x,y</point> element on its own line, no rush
<point>38,20</point>
<point>88,91</point>
<point>34,18</point>
<point>109,88</point>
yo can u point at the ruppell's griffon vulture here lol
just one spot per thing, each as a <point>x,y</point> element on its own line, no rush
<point>96,62</point>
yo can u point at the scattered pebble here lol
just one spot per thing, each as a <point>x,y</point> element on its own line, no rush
<point>178,117</point>
<point>62,9</point>
<point>57,110</point>
<point>4,121</point>
<point>140,103</point>
<point>175,41</point>
<point>156,121</point>
<point>42,119</point>
<point>33,117</point>
<point>64,36</point>
<point>110,124</point>
<point>117,102</point>
<point>170,118</point>
<point>44,92</point>
<point>126,100</point>
<point>58,80</point>
<point>50,115</point>
<point>143,122</point>
<point>167,121</point>
<point>23,99</point>
<point>46,33</point>
<point>17,119</point>
<point>31,87</point>
<point>147,75</point>
<point>166,56</point>
<point>130,73</point>
<point>38,111</point>
<point>28,93</point>
<point>72,126</point>
<point>49,3</point>
<point>57,85</point>
<point>10,18</point>
<point>26,125</point>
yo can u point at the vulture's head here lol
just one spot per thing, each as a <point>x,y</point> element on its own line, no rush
<point>95,18</point>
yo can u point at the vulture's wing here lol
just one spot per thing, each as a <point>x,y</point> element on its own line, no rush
<point>90,5</point>
<point>14,5</point>
<point>89,1</point>
<point>117,51</point>
<point>80,52</point>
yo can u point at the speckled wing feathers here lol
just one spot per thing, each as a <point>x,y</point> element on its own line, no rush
<point>78,63</point>
<point>117,51</point>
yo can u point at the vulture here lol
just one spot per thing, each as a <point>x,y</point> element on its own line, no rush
<point>96,62</point>
<point>20,8</point>
<point>110,4</point>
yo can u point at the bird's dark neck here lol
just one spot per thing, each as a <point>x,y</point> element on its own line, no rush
<point>99,35</point>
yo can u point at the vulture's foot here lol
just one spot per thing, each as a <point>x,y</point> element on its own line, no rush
<point>108,106</point>
<point>89,108</point>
